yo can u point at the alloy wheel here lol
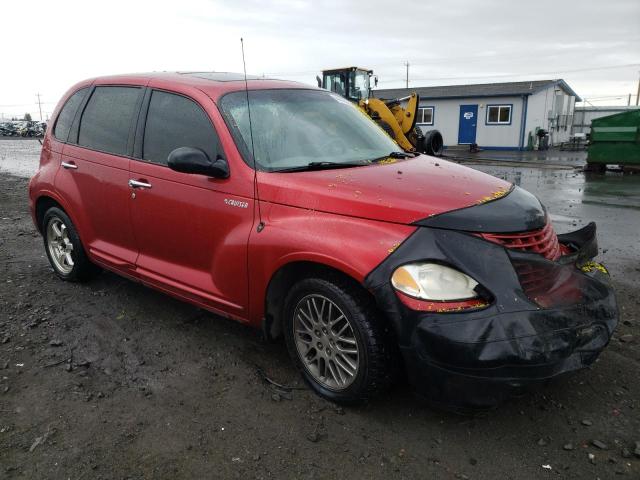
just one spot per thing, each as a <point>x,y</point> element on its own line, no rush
<point>60,245</point>
<point>325,342</point>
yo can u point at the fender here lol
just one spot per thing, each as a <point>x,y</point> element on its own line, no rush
<point>58,199</point>
<point>314,257</point>
<point>79,224</point>
<point>293,234</point>
<point>78,215</point>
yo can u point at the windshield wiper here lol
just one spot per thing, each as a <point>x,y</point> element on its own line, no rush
<point>394,155</point>
<point>321,166</point>
<point>400,155</point>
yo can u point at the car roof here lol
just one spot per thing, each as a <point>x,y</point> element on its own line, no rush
<point>215,84</point>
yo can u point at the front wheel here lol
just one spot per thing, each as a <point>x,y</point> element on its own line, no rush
<point>337,340</point>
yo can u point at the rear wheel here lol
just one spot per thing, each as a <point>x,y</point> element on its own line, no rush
<point>64,249</point>
<point>337,340</point>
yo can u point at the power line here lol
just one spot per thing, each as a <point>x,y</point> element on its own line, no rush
<point>603,97</point>
<point>605,67</point>
<point>28,104</point>
<point>505,75</point>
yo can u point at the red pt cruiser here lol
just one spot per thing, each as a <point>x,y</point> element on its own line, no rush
<point>284,207</point>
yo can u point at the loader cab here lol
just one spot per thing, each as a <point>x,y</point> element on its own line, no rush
<point>352,83</point>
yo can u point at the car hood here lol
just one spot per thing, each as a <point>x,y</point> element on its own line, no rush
<point>403,191</point>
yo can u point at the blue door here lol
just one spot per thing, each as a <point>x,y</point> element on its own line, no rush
<point>468,124</point>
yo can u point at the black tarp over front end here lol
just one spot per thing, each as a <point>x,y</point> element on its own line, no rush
<point>559,323</point>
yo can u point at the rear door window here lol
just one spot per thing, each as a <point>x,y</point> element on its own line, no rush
<point>67,114</point>
<point>106,121</point>
<point>175,121</point>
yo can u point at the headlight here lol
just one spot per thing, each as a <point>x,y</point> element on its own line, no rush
<point>431,281</point>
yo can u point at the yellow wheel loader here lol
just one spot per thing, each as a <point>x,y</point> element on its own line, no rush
<point>398,121</point>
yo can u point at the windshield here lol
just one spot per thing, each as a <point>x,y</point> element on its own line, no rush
<point>293,128</point>
<point>359,85</point>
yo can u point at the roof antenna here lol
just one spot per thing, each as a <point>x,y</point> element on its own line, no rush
<point>253,150</point>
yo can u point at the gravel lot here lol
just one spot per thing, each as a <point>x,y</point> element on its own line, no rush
<point>113,380</point>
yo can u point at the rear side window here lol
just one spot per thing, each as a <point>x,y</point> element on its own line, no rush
<point>174,121</point>
<point>67,114</point>
<point>106,120</point>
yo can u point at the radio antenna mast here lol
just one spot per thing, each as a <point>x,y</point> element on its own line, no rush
<point>253,150</point>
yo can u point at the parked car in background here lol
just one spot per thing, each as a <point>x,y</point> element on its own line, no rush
<point>285,208</point>
<point>8,129</point>
<point>22,128</point>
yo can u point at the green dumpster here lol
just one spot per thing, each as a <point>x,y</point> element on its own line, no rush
<point>615,139</point>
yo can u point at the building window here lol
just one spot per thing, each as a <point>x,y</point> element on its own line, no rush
<point>425,116</point>
<point>499,114</point>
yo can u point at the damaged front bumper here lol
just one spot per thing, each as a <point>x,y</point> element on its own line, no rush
<point>545,318</point>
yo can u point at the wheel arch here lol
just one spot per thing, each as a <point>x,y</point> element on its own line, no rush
<point>44,203</point>
<point>46,199</point>
<point>284,278</point>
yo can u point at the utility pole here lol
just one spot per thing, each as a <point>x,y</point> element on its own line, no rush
<point>407,65</point>
<point>638,93</point>
<point>39,105</point>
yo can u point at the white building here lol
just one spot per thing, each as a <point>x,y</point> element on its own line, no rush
<point>499,116</point>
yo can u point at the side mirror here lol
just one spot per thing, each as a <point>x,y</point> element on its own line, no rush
<point>375,81</point>
<point>194,160</point>
<point>319,80</point>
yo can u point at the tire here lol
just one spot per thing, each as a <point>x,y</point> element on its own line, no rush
<point>376,360</point>
<point>433,143</point>
<point>64,248</point>
<point>416,138</point>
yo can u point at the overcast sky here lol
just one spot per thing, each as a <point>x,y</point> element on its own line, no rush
<point>50,44</point>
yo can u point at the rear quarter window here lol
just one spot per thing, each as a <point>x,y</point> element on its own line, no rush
<point>67,114</point>
<point>106,121</point>
<point>175,121</point>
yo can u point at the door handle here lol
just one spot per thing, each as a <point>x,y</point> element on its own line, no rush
<point>68,165</point>
<point>139,184</point>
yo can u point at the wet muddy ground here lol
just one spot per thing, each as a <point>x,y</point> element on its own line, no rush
<point>113,380</point>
